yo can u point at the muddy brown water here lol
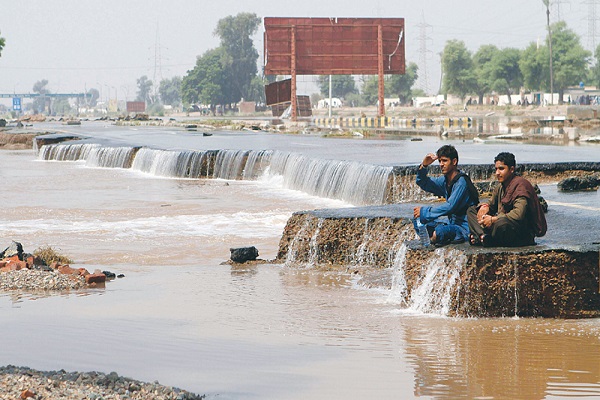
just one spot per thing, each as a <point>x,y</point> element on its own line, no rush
<point>251,332</point>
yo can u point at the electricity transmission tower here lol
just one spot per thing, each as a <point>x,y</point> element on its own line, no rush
<point>157,65</point>
<point>556,5</point>
<point>592,17</point>
<point>423,54</point>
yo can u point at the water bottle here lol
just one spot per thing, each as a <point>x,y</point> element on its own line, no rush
<point>422,232</point>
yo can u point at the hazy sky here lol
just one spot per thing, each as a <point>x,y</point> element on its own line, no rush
<point>108,44</point>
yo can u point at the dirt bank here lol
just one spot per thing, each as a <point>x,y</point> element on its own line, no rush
<point>17,141</point>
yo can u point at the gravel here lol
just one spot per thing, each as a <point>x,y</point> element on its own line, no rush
<point>23,382</point>
<point>34,280</point>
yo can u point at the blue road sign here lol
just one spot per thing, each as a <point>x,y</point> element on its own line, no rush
<point>17,103</point>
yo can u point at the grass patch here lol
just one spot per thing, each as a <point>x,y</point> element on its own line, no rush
<point>48,255</point>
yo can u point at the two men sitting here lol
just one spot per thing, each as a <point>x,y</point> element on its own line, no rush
<point>512,217</point>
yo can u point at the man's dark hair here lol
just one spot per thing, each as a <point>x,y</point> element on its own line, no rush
<point>447,151</point>
<point>506,158</point>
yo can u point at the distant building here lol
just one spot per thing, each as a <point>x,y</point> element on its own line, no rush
<point>335,103</point>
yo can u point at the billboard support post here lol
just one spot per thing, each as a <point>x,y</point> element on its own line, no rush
<point>381,83</point>
<point>294,98</point>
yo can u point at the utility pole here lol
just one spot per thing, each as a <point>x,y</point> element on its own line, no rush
<point>547,4</point>
<point>330,92</point>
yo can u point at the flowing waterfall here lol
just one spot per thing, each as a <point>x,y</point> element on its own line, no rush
<point>313,245</point>
<point>94,155</point>
<point>362,253</point>
<point>229,164</point>
<point>256,164</point>
<point>351,181</point>
<point>432,291</point>
<point>354,182</point>
<point>67,152</point>
<point>110,157</point>
<point>292,251</point>
<point>399,292</point>
<point>172,164</point>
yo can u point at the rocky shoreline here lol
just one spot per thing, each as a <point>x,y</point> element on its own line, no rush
<point>26,383</point>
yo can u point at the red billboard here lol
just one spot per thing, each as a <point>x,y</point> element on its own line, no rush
<point>136,106</point>
<point>334,46</point>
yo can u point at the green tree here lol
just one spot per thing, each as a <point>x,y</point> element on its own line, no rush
<point>534,67</point>
<point>204,84</point>
<point>401,85</point>
<point>239,56</point>
<point>481,64</point>
<point>94,95</point>
<point>40,103</point>
<point>61,106</point>
<point>505,72</point>
<point>170,91</point>
<point>370,89</point>
<point>144,89</point>
<point>594,74</point>
<point>341,85</point>
<point>257,90</point>
<point>459,76</point>
<point>570,59</point>
<point>2,43</point>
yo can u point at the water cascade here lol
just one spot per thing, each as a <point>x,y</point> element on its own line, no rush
<point>66,152</point>
<point>433,291</point>
<point>354,182</point>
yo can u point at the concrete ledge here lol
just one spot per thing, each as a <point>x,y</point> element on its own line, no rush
<point>392,122</point>
<point>554,279</point>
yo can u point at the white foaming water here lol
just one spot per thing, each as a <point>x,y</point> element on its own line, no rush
<point>399,292</point>
<point>313,245</point>
<point>292,251</point>
<point>432,291</point>
<point>240,224</point>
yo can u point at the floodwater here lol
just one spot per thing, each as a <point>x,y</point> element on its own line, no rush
<point>254,332</point>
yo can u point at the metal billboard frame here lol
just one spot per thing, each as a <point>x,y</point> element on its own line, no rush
<point>334,46</point>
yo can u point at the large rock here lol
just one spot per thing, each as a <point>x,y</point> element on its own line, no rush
<point>243,254</point>
<point>15,249</point>
<point>578,183</point>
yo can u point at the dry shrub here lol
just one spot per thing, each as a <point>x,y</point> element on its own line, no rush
<point>48,255</point>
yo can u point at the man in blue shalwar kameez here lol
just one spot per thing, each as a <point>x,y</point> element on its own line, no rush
<point>458,190</point>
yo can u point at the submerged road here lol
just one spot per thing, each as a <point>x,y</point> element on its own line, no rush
<point>387,151</point>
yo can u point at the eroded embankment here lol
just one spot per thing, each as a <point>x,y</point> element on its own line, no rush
<point>458,280</point>
<point>401,185</point>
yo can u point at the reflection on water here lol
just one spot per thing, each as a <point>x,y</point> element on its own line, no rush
<point>20,296</point>
<point>508,358</point>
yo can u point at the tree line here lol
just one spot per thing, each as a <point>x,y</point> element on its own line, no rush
<point>508,71</point>
<point>229,73</point>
